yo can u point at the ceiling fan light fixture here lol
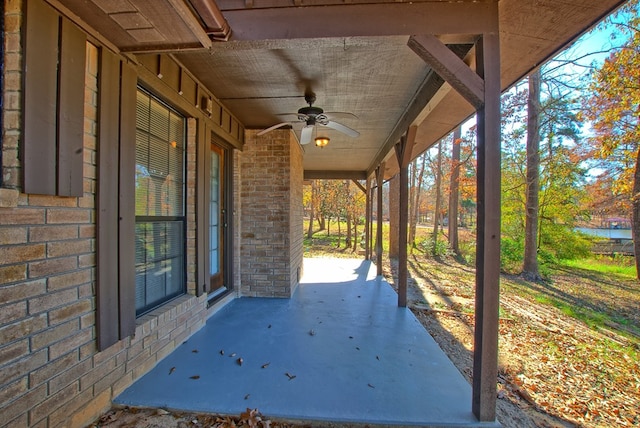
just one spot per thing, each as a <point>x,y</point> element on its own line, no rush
<point>321,141</point>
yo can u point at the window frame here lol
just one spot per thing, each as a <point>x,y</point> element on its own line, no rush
<point>139,219</point>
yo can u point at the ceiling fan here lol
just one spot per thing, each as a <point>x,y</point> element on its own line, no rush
<point>312,116</point>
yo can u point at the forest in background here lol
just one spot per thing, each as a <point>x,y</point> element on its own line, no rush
<point>570,158</point>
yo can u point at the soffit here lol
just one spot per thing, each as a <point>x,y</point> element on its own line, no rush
<point>353,55</point>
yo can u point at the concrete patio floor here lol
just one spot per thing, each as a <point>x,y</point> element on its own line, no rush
<point>340,350</point>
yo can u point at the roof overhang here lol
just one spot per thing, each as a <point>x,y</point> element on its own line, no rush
<point>259,57</point>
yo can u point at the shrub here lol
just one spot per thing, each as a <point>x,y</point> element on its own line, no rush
<point>441,248</point>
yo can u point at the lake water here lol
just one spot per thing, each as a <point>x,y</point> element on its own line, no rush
<point>606,233</point>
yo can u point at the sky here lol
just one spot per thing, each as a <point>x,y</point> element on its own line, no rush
<point>591,48</point>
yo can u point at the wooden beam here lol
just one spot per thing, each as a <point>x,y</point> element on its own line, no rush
<point>355,20</point>
<point>451,68</point>
<point>485,354</point>
<point>429,87</point>
<point>403,152</point>
<point>379,184</point>
<point>360,186</point>
<point>334,175</point>
<point>191,21</point>
<point>367,220</point>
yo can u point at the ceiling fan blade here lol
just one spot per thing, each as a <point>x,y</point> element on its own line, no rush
<point>306,134</point>
<point>342,128</point>
<point>271,128</point>
<point>344,114</point>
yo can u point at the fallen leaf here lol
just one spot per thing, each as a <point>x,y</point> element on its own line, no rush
<point>312,332</point>
<point>246,397</point>
<point>195,351</point>
<point>290,376</point>
<point>172,369</point>
<point>358,348</point>
<point>222,352</point>
<point>377,358</point>
<point>195,377</point>
<point>232,355</point>
<point>269,326</point>
<point>240,361</point>
<point>265,365</point>
<point>370,386</point>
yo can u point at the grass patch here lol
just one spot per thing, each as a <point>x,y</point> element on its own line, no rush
<point>622,266</point>
<point>595,319</point>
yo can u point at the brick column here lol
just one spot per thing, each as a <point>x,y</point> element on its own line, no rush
<point>271,214</point>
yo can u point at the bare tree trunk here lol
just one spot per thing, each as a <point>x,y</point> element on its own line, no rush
<point>635,215</point>
<point>454,190</point>
<point>347,241</point>
<point>394,221</point>
<point>355,234</point>
<point>312,211</point>
<point>530,263</point>
<point>415,207</point>
<point>412,202</point>
<point>436,214</point>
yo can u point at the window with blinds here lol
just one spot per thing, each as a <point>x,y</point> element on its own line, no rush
<point>160,203</point>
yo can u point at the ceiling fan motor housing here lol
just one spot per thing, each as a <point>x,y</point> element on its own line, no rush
<point>310,111</point>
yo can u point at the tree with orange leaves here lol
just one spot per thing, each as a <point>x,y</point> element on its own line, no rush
<point>614,110</point>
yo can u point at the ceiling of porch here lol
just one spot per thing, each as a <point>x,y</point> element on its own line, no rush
<point>352,54</point>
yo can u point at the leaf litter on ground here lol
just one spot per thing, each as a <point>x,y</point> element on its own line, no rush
<point>553,366</point>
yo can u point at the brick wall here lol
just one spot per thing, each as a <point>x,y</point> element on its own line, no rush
<point>271,167</point>
<point>11,102</point>
<point>51,373</point>
<point>296,227</point>
<point>237,221</point>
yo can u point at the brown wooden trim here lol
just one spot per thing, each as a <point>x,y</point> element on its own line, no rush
<point>71,110</point>
<point>367,220</point>
<point>107,322</point>
<point>354,20</point>
<point>126,202</point>
<point>334,175</point>
<point>186,107</point>
<point>202,220</point>
<point>403,152</point>
<point>485,354</point>
<point>360,186</point>
<point>379,184</point>
<point>40,99</point>
<point>450,67</point>
<point>191,22</point>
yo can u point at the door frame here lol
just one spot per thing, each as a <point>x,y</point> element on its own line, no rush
<point>209,138</point>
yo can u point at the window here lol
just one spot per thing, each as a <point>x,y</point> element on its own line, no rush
<point>159,203</point>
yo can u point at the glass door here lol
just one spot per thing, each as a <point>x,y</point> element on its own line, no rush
<point>217,222</point>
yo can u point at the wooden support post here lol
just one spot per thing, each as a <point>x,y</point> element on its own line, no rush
<point>403,153</point>
<point>379,183</point>
<point>485,354</point>
<point>367,219</point>
<point>371,240</point>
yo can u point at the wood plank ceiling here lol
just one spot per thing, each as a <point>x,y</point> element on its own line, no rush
<point>352,54</point>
